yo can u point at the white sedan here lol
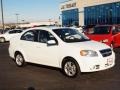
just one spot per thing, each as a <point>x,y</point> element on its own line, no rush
<point>9,34</point>
<point>64,48</point>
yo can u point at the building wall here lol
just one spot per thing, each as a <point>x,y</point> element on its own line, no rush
<point>81,17</point>
<point>84,5</point>
<point>81,4</point>
<point>69,13</point>
<point>40,23</point>
<point>70,17</point>
<point>67,5</point>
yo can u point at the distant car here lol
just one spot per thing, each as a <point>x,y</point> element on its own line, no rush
<point>0,31</point>
<point>6,36</point>
<point>108,34</point>
<point>80,29</point>
<point>64,48</point>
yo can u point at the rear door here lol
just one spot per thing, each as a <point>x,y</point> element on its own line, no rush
<point>28,45</point>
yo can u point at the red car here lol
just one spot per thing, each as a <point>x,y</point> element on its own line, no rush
<point>108,34</point>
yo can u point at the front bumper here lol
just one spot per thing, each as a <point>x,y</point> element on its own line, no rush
<point>92,64</point>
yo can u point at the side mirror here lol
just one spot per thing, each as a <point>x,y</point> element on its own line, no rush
<point>51,42</point>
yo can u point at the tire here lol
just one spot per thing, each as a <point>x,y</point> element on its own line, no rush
<point>2,39</point>
<point>19,60</point>
<point>71,68</point>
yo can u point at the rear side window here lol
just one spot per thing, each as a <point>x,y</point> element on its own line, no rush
<point>18,31</point>
<point>30,36</point>
<point>116,29</point>
<point>99,30</point>
<point>15,31</point>
<point>12,32</point>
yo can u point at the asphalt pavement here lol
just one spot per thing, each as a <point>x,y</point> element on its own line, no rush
<point>37,77</point>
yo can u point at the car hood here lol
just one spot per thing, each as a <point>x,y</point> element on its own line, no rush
<point>89,45</point>
<point>99,37</point>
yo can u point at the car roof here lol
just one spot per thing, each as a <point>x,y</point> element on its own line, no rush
<point>47,28</point>
<point>15,29</point>
<point>107,25</point>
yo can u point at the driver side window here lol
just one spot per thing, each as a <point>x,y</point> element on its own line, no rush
<point>45,36</point>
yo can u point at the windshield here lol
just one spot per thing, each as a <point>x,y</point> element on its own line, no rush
<point>70,35</point>
<point>99,30</point>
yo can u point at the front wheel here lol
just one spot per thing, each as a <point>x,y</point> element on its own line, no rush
<point>19,59</point>
<point>71,68</point>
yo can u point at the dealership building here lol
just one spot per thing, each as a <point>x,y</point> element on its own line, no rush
<point>90,12</point>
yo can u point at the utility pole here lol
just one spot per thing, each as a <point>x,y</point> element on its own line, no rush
<point>2,16</point>
<point>17,18</point>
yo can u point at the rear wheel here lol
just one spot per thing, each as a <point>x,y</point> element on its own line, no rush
<point>71,68</point>
<point>2,39</point>
<point>19,59</point>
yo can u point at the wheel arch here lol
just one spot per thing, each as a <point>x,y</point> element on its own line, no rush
<point>24,54</point>
<point>19,63</point>
<point>17,52</point>
<point>68,58</point>
<point>3,38</point>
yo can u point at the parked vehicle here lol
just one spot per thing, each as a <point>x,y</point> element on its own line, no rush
<point>80,29</point>
<point>0,31</point>
<point>108,34</point>
<point>7,35</point>
<point>61,47</point>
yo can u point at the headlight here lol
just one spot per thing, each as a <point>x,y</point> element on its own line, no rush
<point>89,53</point>
<point>104,41</point>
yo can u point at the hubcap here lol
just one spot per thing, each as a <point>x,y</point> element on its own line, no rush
<point>19,60</point>
<point>2,40</point>
<point>70,68</point>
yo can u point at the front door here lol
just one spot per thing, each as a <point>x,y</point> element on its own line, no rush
<point>47,54</point>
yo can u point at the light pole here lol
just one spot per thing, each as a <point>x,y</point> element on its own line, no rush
<point>23,21</point>
<point>17,18</point>
<point>50,21</point>
<point>2,15</point>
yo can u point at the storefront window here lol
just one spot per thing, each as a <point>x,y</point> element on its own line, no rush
<point>70,17</point>
<point>103,14</point>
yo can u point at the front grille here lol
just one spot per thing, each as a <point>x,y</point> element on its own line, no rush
<point>106,52</point>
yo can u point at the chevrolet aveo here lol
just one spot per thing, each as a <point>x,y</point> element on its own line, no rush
<point>64,48</point>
